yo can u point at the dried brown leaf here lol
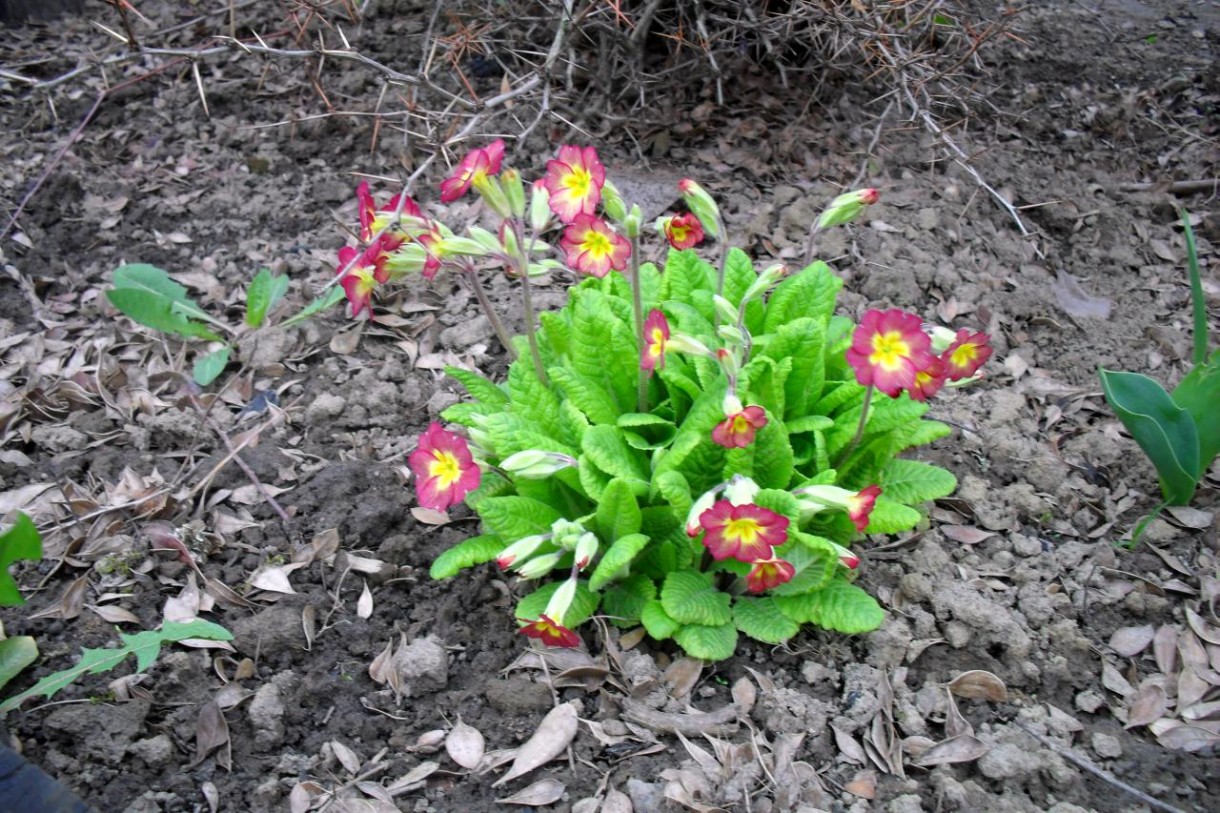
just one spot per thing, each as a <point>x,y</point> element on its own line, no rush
<point>211,734</point>
<point>616,802</point>
<point>346,342</point>
<point>382,666</point>
<point>429,742</point>
<point>915,745</point>
<point>979,685</point>
<point>1202,711</point>
<point>552,737</point>
<point>430,516</point>
<point>413,779</point>
<point>1190,517</point>
<point>113,615</point>
<point>300,799</point>
<point>1165,649</point>
<point>1131,641</point>
<point>346,756</point>
<point>681,676</point>
<point>211,794</point>
<point>1113,680</point>
<point>1192,651</point>
<point>1188,738</point>
<point>542,792</point>
<point>364,605</point>
<point>955,724</point>
<point>1148,704</point>
<point>1191,687</point>
<point>744,694</point>
<point>1201,628</point>
<point>274,578</point>
<point>965,534</point>
<point>849,747</point>
<point>965,748</point>
<point>863,785</point>
<point>70,603</point>
<point>465,745</point>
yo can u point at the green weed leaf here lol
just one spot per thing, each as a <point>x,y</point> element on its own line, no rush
<point>21,541</point>
<point>265,291</point>
<point>16,654</point>
<point>207,368</point>
<point>469,552</point>
<point>1165,431</point>
<point>1199,394</point>
<point>332,297</point>
<point>148,295</point>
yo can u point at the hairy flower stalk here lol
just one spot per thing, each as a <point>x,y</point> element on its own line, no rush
<point>480,293</point>
<point>524,252</point>
<point>637,307</point>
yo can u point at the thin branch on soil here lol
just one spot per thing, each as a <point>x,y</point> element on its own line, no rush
<point>1087,765</point>
<point>1210,187</point>
<point>720,721</point>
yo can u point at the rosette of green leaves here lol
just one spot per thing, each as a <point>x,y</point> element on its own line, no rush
<point>639,473</point>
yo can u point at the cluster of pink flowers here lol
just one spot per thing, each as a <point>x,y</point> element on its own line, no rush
<point>891,351</point>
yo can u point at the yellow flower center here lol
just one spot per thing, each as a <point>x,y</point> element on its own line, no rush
<point>445,468</point>
<point>656,344</point>
<point>963,355</point>
<point>740,425</point>
<point>889,350</point>
<point>743,530</point>
<point>579,181</point>
<point>597,244</point>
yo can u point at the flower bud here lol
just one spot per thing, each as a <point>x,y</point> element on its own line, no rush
<point>463,246</point>
<point>633,221</point>
<point>514,190</point>
<point>539,566</point>
<point>493,195</point>
<point>728,363</point>
<point>561,601</point>
<point>942,337</point>
<point>566,533</point>
<point>540,208</point>
<point>612,203</point>
<point>408,259</point>
<point>508,240</point>
<point>706,501</point>
<point>682,343</point>
<point>846,207</point>
<point>486,239</point>
<point>741,490</point>
<point>701,205</point>
<point>732,334</point>
<point>520,550</point>
<point>534,464</point>
<point>732,404</point>
<point>586,548</point>
<point>725,309</point>
<point>765,280</point>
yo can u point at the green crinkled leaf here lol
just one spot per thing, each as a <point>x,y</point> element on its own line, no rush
<point>1165,431</point>
<point>685,273</point>
<point>555,333</point>
<point>22,541</point>
<point>584,604</point>
<point>493,485</point>
<point>534,400</point>
<point>836,394</point>
<point>469,552</point>
<point>761,619</point>
<point>809,423</point>
<point>465,413</point>
<point>618,514</point>
<point>603,346</point>
<point>913,482</point>
<point>690,598</point>
<point>772,456</point>
<point>801,341</point>
<point>674,490</point>
<point>815,561</point>
<point>811,292</point>
<point>618,556</point>
<point>925,432</point>
<point>511,517</point>
<point>144,645</point>
<point>739,275</point>
<point>592,479</point>
<point>207,368</point>
<point>890,517</point>
<point>711,643</point>
<point>839,606</point>
<point>624,602</point>
<point>264,292</point>
<point>481,389</point>
<point>656,621</point>
<point>590,398</point>
<point>510,433</point>
<point>608,450</point>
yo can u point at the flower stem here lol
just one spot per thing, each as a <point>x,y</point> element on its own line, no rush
<point>724,257</point>
<point>850,447</point>
<point>480,294</point>
<point>527,301</point>
<point>637,305</point>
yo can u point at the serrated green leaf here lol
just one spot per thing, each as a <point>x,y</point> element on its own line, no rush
<point>617,557</point>
<point>685,273</point>
<point>674,489</point>
<point>481,389</point>
<point>144,645</point>
<point>606,447</point>
<point>469,552</point>
<point>584,604</point>
<point>839,606</point>
<point>802,341</point>
<point>1165,431</point>
<point>624,602</point>
<point>739,275</point>
<point>21,541</point>
<point>590,398</point>
<point>511,517</point>
<point>207,368</point>
<point>534,400</point>
<point>710,643</point>
<point>809,423</point>
<point>16,654</point>
<point>781,502</point>
<point>889,517</point>
<point>157,312</point>
<point>925,432</point>
<point>656,621</point>
<point>618,514</point>
<point>690,598</point>
<point>265,290</point>
<point>815,560</point>
<point>913,482</point>
<point>810,293</point>
<point>761,619</point>
<point>332,297</point>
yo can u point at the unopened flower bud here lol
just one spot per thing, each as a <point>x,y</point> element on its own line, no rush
<point>485,238</point>
<point>731,404</point>
<point>728,363</point>
<point>534,464</point>
<point>539,566</point>
<point>493,195</point>
<point>766,279</point>
<point>514,190</point>
<point>561,601</point>
<point>732,334</point>
<point>942,337</point>
<point>846,207</point>
<point>508,240</point>
<point>682,343</point>
<point>741,490</point>
<point>612,203</point>
<point>540,208</point>
<point>701,205</point>
<point>520,550</point>
<point>567,533</point>
<point>706,501</point>
<point>633,221</point>
<point>464,246</point>
<point>725,309</point>
<point>586,548</point>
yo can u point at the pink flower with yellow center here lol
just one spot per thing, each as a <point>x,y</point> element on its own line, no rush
<point>592,247</point>
<point>769,573</point>
<point>656,336</point>
<point>966,355</point>
<point>683,231</point>
<point>737,431</point>
<point>444,470</point>
<point>473,170</point>
<point>860,506</point>
<point>744,532</point>
<point>928,381</point>
<point>574,180</point>
<point>359,278</point>
<point>888,349</point>
<point>550,633</point>
<point>372,219</point>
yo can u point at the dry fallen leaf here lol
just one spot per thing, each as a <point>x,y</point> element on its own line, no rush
<point>863,784</point>
<point>616,802</point>
<point>1188,738</point>
<point>955,724</point>
<point>1165,649</point>
<point>430,516</point>
<point>1131,641</point>
<point>413,779</point>
<point>979,685</point>
<point>682,675</point>
<point>965,748</point>
<point>346,756</point>
<point>364,605</point>
<point>1148,704</point>
<point>542,792</point>
<point>965,534</point>
<point>849,747</point>
<point>274,578</point>
<point>554,734</point>
<point>465,745</point>
<point>212,733</point>
<point>1201,628</point>
<point>1113,680</point>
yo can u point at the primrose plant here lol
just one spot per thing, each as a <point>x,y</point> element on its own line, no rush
<point>687,446</point>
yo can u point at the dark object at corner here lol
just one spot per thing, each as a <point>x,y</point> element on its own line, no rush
<point>25,788</point>
<point>18,11</point>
